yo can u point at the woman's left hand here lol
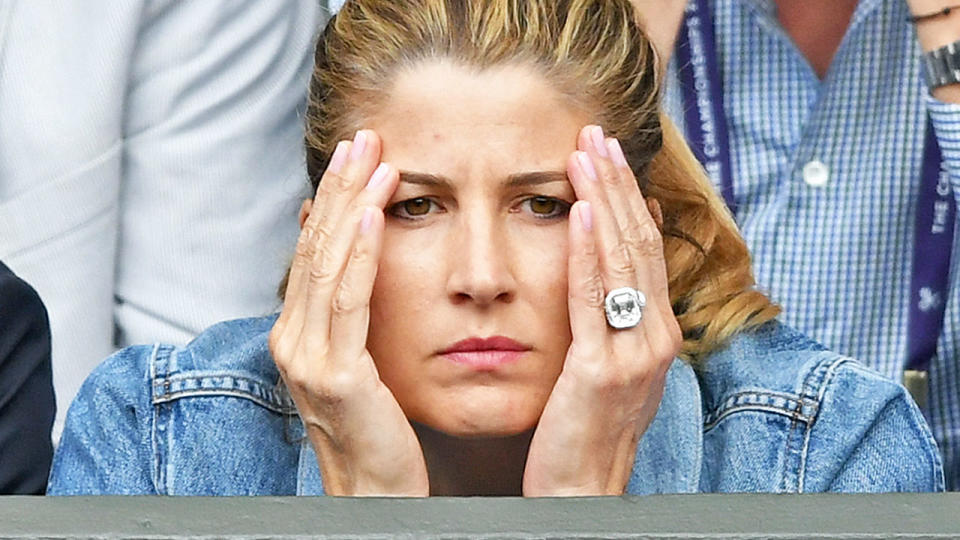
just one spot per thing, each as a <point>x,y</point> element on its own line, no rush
<point>612,380</point>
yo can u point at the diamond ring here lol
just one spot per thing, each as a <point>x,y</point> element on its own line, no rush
<point>624,307</point>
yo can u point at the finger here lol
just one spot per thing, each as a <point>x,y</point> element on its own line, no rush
<point>293,304</point>
<point>349,161</point>
<point>615,264</point>
<point>294,300</point>
<point>350,312</point>
<point>376,194</point>
<point>379,189</point>
<point>336,165</point>
<point>618,238</point>
<point>645,242</point>
<point>642,234</point>
<point>338,188</point>
<point>585,288</point>
<point>637,230</point>
<point>326,271</point>
<point>611,179</point>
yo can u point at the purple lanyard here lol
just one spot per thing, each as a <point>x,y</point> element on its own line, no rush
<point>703,115</point>
<point>708,135</point>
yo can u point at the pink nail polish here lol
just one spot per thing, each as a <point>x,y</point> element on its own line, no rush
<point>359,145</point>
<point>339,157</point>
<point>367,220</point>
<point>378,176</point>
<point>587,165</point>
<point>596,136</point>
<point>586,216</point>
<point>616,153</point>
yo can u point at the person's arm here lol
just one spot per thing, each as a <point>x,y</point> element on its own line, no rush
<point>944,103</point>
<point>868,436</point>
<point>661,20</point>
<point>107,447</point>
<point>935,33</point>
<point>26,388</point>
<point>213,162</point>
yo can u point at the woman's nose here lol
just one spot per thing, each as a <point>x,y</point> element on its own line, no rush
<point>480,268</point>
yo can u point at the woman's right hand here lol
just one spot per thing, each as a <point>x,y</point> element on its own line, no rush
<point>364,442</point>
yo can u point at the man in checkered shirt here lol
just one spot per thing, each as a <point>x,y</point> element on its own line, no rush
<point>827,110</point>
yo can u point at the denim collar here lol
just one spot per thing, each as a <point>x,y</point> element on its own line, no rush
<point>668,456</point>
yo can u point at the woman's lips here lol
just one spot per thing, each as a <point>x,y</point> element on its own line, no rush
<point>485,353</point>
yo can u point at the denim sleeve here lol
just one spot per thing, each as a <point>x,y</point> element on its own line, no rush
<point>106,445</point>
<point>869,436</point>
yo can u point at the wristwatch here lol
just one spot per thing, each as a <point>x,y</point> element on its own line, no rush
<point>942,66</point>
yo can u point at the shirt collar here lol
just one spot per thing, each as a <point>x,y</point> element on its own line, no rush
<point>668,455</point>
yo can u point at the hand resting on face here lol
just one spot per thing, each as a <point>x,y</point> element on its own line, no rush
<point>364,443</point>
<point>611,382</point>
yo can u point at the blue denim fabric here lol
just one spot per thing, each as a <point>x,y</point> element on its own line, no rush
<point>773,412</point>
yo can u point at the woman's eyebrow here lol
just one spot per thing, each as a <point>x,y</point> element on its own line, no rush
<point>514,180</point>
<point>536,178</point>
<point>424,179</point>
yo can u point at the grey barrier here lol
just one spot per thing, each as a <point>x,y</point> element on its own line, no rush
<point>665,516</point>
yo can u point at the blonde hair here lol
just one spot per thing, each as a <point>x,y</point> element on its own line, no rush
<point>592,51</point>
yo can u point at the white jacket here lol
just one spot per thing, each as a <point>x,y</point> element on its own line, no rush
<point>151,164</point>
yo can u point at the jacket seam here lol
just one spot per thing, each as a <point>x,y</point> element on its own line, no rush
<point>168,389</point>
<point>793,407</point>
<point>814,387</point>
<point>212,392</point>
<point>158,363</point>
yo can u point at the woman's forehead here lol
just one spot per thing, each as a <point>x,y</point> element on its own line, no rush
<point>448,120</point>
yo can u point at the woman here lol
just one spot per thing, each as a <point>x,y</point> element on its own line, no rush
<point>488,298</point>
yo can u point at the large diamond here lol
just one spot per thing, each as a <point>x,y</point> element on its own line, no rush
<point>624,307</point>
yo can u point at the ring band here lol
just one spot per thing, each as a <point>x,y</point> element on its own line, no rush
<point>624,307</point>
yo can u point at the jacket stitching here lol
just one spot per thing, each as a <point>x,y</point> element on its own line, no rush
<point>169,389</point>
<point>786,405</point>
<point>814,387</point>
<point>158,363</point>
<point>215,392</point>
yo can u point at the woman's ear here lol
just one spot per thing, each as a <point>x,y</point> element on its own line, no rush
<point>305,211</point>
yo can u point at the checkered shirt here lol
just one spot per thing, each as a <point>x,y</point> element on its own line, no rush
<point>838,256</point>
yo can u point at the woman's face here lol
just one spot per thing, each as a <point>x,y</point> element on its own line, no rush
<point>475,249</point>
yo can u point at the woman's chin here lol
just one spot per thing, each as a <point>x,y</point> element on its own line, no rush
<point>480,424</point>
<point>475,410</point>
<point>484,430</point>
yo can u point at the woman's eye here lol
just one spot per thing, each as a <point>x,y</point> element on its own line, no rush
<point>546,207</point>
<point>412,208</point>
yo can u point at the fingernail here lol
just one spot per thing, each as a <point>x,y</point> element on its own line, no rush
<point>339,157</point>
<point>587,165</point>
<point>378,176</point>
<point>359,144</point>
<point>586,216</point>
<point>616,153</point>
<point>367,220</point>
<point>596,135</point>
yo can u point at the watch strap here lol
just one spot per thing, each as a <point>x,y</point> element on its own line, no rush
<point>942,66</point>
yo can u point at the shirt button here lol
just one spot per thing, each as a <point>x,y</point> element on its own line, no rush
<point>816,173</point>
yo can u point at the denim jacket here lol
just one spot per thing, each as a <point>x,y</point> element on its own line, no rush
<point>772,411</point>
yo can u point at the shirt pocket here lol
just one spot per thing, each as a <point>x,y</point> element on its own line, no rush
<point>61,206</point>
